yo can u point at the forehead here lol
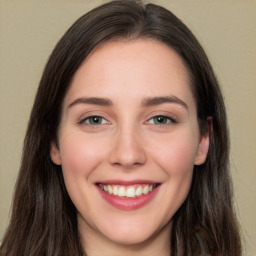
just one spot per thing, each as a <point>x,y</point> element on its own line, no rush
<point>132,69</point>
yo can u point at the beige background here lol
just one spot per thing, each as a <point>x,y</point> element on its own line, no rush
<point>227,30</point>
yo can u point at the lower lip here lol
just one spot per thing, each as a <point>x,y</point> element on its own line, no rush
<point>127,203</point>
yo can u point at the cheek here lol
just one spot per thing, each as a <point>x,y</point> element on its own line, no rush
<point>178,164</point>
<point>176,154</point>
<point>80,156</point>
<point>176,158</point>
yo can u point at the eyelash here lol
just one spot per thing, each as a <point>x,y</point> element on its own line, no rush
<point>84,120</point>
<point>169,121</point>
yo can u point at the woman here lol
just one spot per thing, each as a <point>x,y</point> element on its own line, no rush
<point>126,151</point>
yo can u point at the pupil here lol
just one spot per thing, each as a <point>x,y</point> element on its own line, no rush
<point>96,119</point>
<point>160,119</point>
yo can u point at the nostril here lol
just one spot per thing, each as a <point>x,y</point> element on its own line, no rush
<point>127,165</point>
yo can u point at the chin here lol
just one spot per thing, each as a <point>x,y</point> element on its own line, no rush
<point>133,234</point>
<point>130,239</point>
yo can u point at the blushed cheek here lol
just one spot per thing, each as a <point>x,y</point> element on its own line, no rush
<point>79,156</point>
<point>176,157</point>
<point>79,160</point>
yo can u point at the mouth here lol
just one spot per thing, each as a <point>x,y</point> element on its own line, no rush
<point>128,195</point>
<point>127,191</point>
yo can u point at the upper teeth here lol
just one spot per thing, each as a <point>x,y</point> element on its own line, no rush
<point>128,191</point>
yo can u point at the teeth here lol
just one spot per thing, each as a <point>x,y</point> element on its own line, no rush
<point>115,190</point>
<point>145,190</point>
<point>110,189</point>
<point>130,192</point>
<point>138,191</point>
<point>127,191</point>
<point>121,191</point>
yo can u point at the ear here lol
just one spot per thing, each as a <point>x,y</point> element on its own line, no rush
<point>55,154</point>
<point>202,150</point>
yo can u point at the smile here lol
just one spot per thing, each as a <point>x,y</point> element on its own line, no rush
<point>131,191</point>
<point>128,196</point>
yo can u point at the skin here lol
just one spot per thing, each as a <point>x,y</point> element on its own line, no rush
<point>128,144</point>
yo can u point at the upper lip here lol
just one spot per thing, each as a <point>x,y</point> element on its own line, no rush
<point>126,182</point>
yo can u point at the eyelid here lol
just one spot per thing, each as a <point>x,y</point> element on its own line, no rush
<point>172,118</point>
<point>84,119</point>
<point>102,119</point>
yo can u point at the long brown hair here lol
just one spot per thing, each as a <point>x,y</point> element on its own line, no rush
<point>43,220</point>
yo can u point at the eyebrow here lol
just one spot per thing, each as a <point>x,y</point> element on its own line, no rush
<point>152,101</point>
<point>147,102</point>
<point>92,101</point>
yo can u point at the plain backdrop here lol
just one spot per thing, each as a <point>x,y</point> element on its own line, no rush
<point>29,29</point>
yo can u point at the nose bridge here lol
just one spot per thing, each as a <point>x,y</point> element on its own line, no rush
<point>128,149</point>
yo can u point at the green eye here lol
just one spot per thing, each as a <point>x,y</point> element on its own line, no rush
<point>161,120</point>
<point>95,120</point>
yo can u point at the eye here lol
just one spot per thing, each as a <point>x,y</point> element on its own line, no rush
<point>161,120</point>
<point>94,120</point>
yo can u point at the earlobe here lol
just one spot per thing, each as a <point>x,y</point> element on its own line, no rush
<point>55,154</point>
<point>202,151</point>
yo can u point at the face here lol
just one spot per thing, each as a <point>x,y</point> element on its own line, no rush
<point>128,141</point>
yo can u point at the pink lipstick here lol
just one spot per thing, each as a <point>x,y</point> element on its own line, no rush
<point>128,195</point>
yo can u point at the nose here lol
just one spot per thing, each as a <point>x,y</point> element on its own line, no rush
<point>128,150</point>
